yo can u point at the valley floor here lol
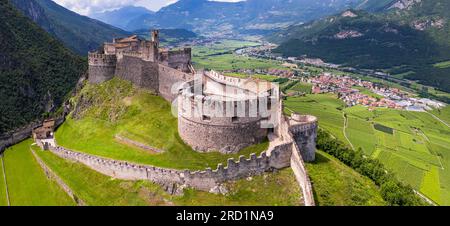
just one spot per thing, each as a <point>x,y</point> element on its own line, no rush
<point>414,145</point>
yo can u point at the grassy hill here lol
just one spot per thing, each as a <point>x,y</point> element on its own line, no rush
<point>406,41</point>
<point>116,108</point>
<point>335,184</point>
<point>36,71</point>
<point>79,33</point>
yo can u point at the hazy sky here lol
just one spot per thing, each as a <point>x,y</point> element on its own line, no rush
<point>86,7</point>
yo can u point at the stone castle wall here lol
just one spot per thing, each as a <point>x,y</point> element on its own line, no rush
<point>141,73</point>
<point>168,80</point>
<point>102,67</point>
<point>231,138</point>
<point>52,175</point>
<point>204,124</point>
<point>206,180</point>
<point>23,133</point>
<point>304,132</point>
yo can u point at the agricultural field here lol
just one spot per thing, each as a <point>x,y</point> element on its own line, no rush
<point>301,87</point>
<point>443,114</point>
<point>368,92</point>
<point>414,145</point>
<point>324,106</point>
<point>220,56</point>
<point>27,182</point>
<point>445,64</point>
<point>139,116</point>
<point>336,184</point>
<point>269,78</point>
<point>100,190</point>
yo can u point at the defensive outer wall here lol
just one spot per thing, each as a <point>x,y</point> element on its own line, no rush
<point>283,152</point>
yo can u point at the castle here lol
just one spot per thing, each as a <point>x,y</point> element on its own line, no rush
<point>142,62</point>
<point>215,112</point>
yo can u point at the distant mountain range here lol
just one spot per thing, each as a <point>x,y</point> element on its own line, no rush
<point>406,38</point>
<point>36,70</point>
<point>121,17</point>
<point>248,17</point>
<point>79,33</point>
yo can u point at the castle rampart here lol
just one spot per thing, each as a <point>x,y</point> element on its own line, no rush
<point>212,123</point>
<point>168,77</point>
<point>141,73</point>
<point>206,180</point>
<point>102,67</point>
<point>304,132</point>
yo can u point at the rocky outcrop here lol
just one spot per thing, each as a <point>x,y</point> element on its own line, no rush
<point>404,4</point>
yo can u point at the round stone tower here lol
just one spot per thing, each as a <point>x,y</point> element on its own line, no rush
<point>304,130</point>
<point>206,123</point>
<point>102,67</point>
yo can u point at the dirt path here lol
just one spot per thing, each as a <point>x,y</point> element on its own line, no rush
<point>440,120</point>
<point>6,183</point>
<point>345,127</point>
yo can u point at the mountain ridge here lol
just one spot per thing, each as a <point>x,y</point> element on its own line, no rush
<point>37,71</point>
<point>249,17</point>
<point>79,33</point>
<point>407,40</point>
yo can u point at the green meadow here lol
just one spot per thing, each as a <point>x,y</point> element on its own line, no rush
<point>27,183</point>
<point>270,189</point>
<point>301,87</point>
<point>336,184</point>
<point>413,145</point>
<point>120,109</point>
<point>445,64</point>
<point>443,114</point>
<point>324,106</point>
<point>220,56</point>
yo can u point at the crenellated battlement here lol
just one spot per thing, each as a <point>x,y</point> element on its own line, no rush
<point>304,131</point>
<point>133,54</point>
<point>98,59</point>
<point>205,180</point>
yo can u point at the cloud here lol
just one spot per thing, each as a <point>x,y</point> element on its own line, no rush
<point>88,7</point>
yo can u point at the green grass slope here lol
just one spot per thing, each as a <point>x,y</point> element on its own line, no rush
<point>338,185</point>
<point>278,188</point>
<point>27,183</point>
<point>3,197</point>
<point>36,71</point>
<point>417,149</point>
<point>118,108</point>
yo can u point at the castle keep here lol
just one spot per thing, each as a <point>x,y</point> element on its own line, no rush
<point>142,62</point>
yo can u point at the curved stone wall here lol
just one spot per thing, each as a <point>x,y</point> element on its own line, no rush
<point>231,138</point>
<point>205,124</point>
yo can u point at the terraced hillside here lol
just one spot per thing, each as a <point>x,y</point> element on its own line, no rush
<point>414,145</point>
<point>406,42</point>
